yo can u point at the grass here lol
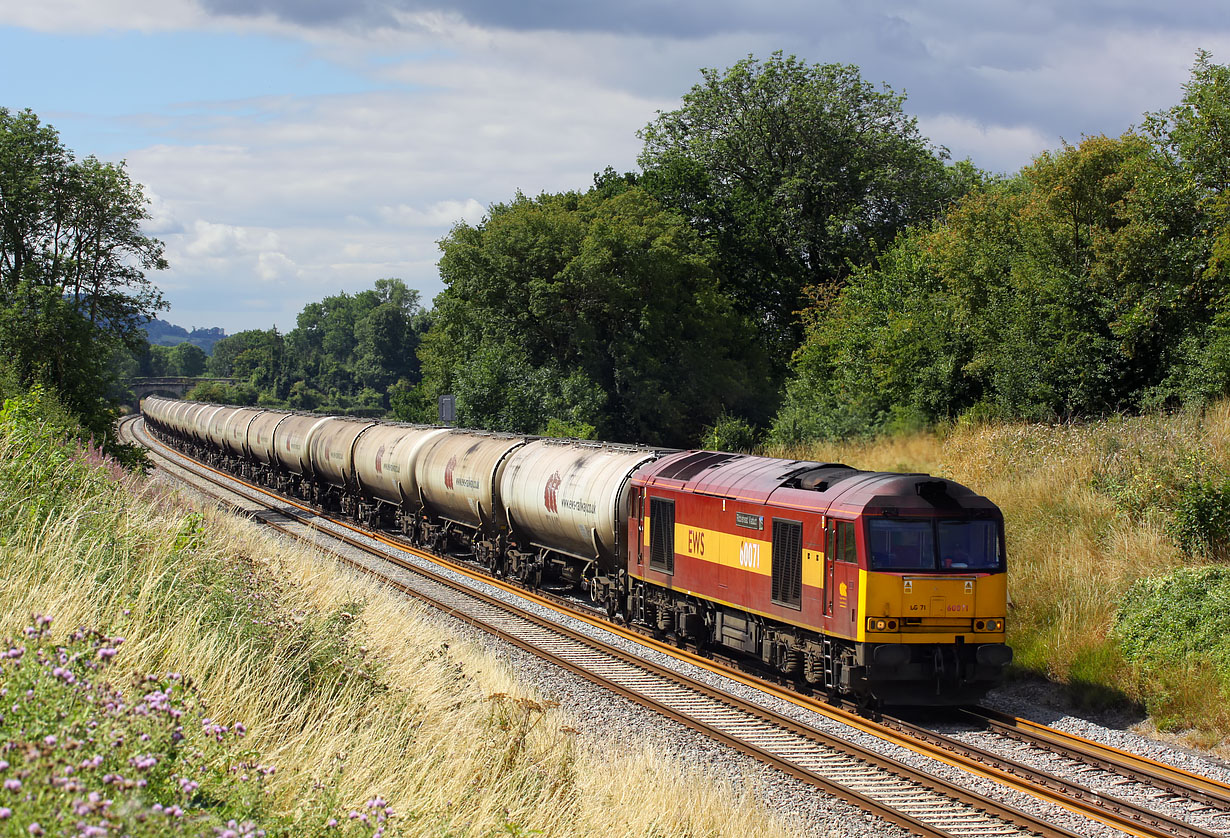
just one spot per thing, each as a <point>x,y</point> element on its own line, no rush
<point>259,689</point>
<point>1092,509</point>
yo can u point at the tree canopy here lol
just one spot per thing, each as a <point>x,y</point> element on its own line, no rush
<point>1089,283</point>
<point>596,309</point>
<point>73,264</point>
<point>795,173</point>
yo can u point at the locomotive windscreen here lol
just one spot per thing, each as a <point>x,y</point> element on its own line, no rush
<point>900,544</point>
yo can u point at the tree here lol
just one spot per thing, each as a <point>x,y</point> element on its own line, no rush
<point>596,310</point>
<point>73,264</point>
<point>795,173</point>
<point>1069,290</point>
<point>189,360</point>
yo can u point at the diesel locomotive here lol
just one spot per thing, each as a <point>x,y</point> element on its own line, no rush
<point>891,588</point>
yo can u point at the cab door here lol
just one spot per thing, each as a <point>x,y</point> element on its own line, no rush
<point>841,578</point>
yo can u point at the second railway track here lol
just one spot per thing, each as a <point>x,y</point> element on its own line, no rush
<point>917,800</point>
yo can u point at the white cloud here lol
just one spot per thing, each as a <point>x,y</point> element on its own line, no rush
<point>998,148</point>
<point>273,267</point>
<point>440,214</point>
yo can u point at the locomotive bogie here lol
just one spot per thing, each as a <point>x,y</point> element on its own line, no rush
<point>571,497</point>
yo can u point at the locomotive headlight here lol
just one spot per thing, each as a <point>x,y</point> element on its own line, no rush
<point>877,624</point>
<point>990,625</point>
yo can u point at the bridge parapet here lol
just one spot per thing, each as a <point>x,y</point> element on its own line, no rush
<point>171,386</point>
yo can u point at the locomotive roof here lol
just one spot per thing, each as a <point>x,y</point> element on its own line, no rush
<point>807,485</point>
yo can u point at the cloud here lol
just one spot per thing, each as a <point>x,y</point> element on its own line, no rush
<point>440,214</point>
<point>436,111</point>
<point>212,241</point>
<point>997,148</point>
<point>274,267</point>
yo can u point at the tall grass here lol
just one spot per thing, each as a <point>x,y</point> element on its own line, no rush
<point>1090,510</point>
<point>299,699</point>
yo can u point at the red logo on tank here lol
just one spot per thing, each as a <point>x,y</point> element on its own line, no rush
<point>549,497</point>
<point>379,458</point>
<point>448,472</point>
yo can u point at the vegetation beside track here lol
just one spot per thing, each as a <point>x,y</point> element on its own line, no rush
<point>1118,543</point>
<point>175,671</point>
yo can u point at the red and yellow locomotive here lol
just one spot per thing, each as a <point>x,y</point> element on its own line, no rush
<point>889,586</point>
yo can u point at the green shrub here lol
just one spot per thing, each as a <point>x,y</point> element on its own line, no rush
<point>1167,620</point>
<point>729,433</point>
<point>1201,519</point>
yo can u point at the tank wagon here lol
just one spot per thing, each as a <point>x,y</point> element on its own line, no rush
<point>888,587</point>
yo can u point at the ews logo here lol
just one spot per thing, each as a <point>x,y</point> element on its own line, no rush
<point>696,542</point>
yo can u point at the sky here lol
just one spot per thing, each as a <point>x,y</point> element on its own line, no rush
<point>295,149</point>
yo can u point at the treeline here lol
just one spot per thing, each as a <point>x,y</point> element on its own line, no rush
<point>1094,281</point>
<point>348,353</point>
<point>794,260</point>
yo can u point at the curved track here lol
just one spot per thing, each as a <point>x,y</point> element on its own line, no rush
<point>918,801</point>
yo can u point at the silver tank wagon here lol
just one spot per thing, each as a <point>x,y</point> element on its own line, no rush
<point>215,430</point>
<point>201,419</point>
<point>331,449</point>
<point>384,462</point>
<point>459,476</point>
<point>572,497</point>
<point>235,433</point>
<point>292,442</point>
<point>260,436</point>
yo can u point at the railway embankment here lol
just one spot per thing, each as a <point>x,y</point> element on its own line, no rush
<point>1118,553</point>
<point>171,670</point>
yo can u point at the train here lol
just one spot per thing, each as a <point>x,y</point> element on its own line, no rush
<point>887,588</point>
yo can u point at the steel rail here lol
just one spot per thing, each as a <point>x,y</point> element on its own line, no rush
<point>1212,793</point>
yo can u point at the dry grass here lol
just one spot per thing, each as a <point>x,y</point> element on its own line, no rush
<point>349,691</point>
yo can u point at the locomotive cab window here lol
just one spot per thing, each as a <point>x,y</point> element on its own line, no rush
<point>841,546</point>
<point>662,535</point>
<point>788,563</point>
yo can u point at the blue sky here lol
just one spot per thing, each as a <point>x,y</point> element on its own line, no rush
<point>296,149</point>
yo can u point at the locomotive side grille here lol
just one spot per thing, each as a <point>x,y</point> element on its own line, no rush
<point>662,534</point>
<point>787,563</point>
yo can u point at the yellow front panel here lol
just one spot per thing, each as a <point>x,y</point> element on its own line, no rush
<point>943,605</point>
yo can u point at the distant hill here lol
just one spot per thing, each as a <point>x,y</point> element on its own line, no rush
<point>162,333</point>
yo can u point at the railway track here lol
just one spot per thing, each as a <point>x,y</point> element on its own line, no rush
<point>916,800</point>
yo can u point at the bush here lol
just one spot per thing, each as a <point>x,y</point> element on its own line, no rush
<point>729,433</point>
<point>1174,624</point>
<point>1201,519</point>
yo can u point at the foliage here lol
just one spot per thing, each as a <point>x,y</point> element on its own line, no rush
<point>215,391</point>
<point>729,433</point>
<point>344,355</point>
<point>794,173</point>
<point>1177,621</point>
<point>1201,522</point>
<point>597,310</point>
<point>73,262</point>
